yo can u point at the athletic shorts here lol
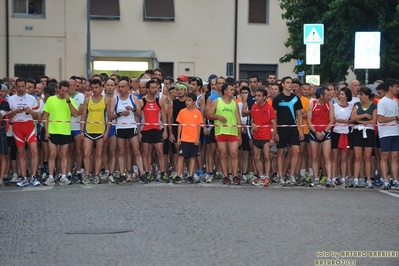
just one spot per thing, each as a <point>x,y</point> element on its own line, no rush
<point>75,133</point>
<point>3,144</point>
<point>94,137</point>
<point>287,136</point>
<point>312,137</point>
<point>245,143</point>
<point>211,137</point>
<point>188,150</point>
<point>377,141</point>
<point>24,132</point>
<point>248,132</point>
<point>260,143</point>
<point>335,139</point>
<point>226,138</point>
<point>389,143</point>
<point>166,145</point>
<point>42,135</point>
<point>126,133</point>
<point>58,139</point>
<point>359,141</point>
<point>112,131</point>
<point>305,138</point>
<point>151,136</point>
<point>13,148</point>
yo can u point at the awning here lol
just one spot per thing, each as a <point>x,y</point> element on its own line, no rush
<point>125,55</point>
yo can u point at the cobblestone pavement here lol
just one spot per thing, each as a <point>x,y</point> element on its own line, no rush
<point>167,224</point>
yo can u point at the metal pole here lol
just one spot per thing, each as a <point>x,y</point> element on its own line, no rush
<point>312,69</point>
<point>88,55</point>
<point>235,40</point>
<point>7,41</point>
<point>367,77</point>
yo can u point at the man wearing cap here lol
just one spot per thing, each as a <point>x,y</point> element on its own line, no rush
<point>182,78</point>
<point>174,109</point>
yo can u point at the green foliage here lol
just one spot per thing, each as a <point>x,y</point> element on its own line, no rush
<point>342,19</point>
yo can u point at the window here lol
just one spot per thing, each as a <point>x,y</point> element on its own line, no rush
<point>247,70</point>
<point>167,68</point>
<point>29,71</point>
<point>31,8</point>
<point>160,10</point>
<point>104,9</point>
<point>258,10</point>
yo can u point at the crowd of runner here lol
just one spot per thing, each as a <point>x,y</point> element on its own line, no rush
<point>116,129</point>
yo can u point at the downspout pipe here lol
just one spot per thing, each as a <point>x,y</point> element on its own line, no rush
<point>88,53</point>
<point>7,40</point>
<point>235,39</point>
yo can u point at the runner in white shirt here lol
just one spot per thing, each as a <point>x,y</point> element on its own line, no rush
<point>76,147</point>
<point>24,108</point>
<point>388,130</point>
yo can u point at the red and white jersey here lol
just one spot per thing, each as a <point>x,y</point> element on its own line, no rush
<point>19,102</point>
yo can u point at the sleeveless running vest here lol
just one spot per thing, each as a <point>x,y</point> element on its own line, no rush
<point>320,116</point>
<point>151,114</point>
<point>96,112</point>
<point>229,112</point>
<point>120,106</point>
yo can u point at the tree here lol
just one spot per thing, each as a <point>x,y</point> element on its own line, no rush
<point>341,19</point>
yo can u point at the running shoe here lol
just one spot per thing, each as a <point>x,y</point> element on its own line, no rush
<point>386,185</point>
<point>196,179</point>
<point>369,185</point>
<point>50,181</point>
<point>208,178</point>
<point>14,178</point>
<point>176,180</point>
<point>323,180</point>
<point>143,179</point>
<point>257,182</point>
<point>165,178</point>
<point>190,180</point>
<point>64,180</point>
<point>250,177</point>
<point>293,181</point>
<point>395,184</point>
<point>23,182</point>
<point>378,183</point>
<point>266,182</point>
<point>282,182</point>
<point>236,181</point>
<point>34,182</point>
<point>226,180</point>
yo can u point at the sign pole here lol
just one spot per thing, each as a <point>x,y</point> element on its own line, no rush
<point>367,77</point>
<point>312,69</point>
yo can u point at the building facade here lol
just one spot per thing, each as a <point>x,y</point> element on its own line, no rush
<point>190,37</point>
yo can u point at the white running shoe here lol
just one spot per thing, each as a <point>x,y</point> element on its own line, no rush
<point>50,181</point>
<point>64,180</point>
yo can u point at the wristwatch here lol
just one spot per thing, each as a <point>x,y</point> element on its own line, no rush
<point>68,101</point>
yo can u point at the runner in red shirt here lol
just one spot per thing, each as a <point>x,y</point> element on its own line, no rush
<point>263,119</point>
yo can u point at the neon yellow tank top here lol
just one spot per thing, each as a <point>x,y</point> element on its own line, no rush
<point>96,112</point>
<point>229,112</point>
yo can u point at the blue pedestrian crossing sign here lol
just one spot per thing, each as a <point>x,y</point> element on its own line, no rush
<point>313,34</point>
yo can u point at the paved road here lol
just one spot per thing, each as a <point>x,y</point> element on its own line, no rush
<point>166,224</point>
